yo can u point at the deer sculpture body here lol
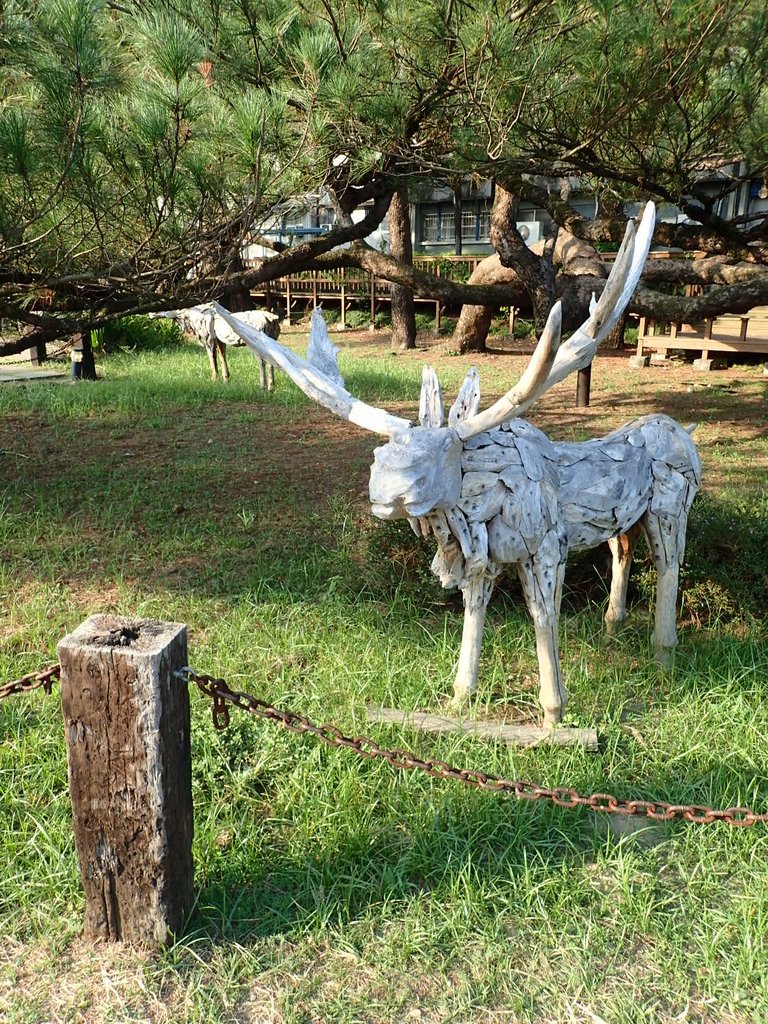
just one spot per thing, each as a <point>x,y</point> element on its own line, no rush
<point>204,325</point>
<point>493,490</point>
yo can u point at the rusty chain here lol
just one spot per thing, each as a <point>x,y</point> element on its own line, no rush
<point>32,681</point>
<point>562,796</point>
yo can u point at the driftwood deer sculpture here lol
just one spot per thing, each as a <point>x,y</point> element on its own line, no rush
<point>493,490</point>
<point>204,325</point>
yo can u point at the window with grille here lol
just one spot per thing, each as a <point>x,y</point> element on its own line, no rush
<point>430,227</point>
<point>468,225</point>
<point>437,224</point>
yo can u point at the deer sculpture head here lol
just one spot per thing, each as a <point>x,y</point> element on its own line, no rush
<point>488,487</point>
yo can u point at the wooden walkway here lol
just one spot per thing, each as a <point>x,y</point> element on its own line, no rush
<point>10,372</point>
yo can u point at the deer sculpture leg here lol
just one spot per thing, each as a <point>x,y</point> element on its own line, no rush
<point>622,549</point>
<point>210,348</point>
<point>476,592</point>
<point>266,376</point>
<point>222,350</point>
<point>542,580</point>
<point>666,539</point>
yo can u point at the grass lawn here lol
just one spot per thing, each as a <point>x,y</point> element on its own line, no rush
<point>331,889</point>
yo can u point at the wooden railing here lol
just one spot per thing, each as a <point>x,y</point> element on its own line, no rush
<point>353,287</point>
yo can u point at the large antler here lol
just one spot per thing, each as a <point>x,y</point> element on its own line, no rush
<point>322,381</point>
<point>551,362</point>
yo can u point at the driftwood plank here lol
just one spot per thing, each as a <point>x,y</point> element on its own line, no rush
<point>512,735</point>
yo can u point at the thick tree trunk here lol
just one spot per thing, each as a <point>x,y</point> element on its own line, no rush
<point>615,340</point>
<point>401,248</point>
<point>580,270</point>
<point>535,270</point>
<point>236,297</point>
<point>475,321</point>
<point>87,364</point>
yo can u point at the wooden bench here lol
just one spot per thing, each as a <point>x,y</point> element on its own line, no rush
<point>727,335</point>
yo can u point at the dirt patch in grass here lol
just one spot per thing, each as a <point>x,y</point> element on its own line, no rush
<point>314,452</point>
<point>276,471</point>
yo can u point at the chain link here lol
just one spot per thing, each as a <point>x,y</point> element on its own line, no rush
<point>562,796</point>
<point>32,681</point>
<point>223,697</point>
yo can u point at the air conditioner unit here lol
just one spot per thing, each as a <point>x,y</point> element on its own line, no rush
<point>530,230</point>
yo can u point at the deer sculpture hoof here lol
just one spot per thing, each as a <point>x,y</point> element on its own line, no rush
<point>664,657</point>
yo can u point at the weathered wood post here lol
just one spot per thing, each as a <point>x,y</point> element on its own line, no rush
<point>373,302</point>
<point>126,719</point>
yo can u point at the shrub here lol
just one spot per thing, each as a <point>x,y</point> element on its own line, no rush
<point>137,332</point>
<point>726,571</point>
<point>524,328</point>
<point>725,576</point>
<point>357,318</point>
<point>397,559</point>
<point>722,534</point>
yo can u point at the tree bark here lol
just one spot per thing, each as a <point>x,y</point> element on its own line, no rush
<point>536,271</point>
<point>475,321</point>
<point>457,239</point>
<point>615,340</point>
<point>401,248</point>
<point>236,297</point>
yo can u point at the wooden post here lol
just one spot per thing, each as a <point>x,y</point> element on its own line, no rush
<point>583,386</point>
<point>126,720</point>
<point>373,301</point>
<point>641,330</point>
<point>38,353</point>
<point>343,301</point>
<point>288,301</point>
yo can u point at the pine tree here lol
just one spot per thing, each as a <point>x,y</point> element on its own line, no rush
<point>141,143</point>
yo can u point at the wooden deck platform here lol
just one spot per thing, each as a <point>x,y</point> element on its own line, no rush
<point>723,336</point>
<point>10,373</point>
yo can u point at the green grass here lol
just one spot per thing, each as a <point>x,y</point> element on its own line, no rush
<point>339,890</point>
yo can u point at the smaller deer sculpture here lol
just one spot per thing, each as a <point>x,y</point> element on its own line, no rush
<point>204,325</point>
<point>493,490</point>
